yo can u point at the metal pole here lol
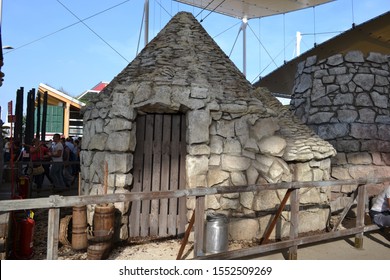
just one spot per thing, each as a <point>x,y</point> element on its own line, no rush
<point>38,128</point>
<point>298,46</point>
<point>243,27</point>
<point>1,11</point>
<point>18,130</point>
<point>146,10</point>
<point>44,116</point>
<point>1,148</point>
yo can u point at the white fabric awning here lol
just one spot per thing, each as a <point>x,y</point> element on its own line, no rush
<point>253,8</point>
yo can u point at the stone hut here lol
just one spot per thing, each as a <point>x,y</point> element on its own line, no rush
<point>345,100</point>
<point>230,135</point>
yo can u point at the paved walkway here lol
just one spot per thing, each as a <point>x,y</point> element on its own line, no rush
<point>376,246</point>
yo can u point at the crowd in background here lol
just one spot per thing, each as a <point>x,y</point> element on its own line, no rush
<point>59,157</point>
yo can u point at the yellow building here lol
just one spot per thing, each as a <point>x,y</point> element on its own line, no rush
<point>63,113</point>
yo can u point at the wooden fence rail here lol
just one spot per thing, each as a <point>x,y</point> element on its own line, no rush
<point>55,202</point>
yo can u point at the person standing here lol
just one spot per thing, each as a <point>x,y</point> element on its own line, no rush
<point>36,154</point>
<point>7,150</point>
<point>68,159</point>
<point>46,159</point>
<point>380,211</point>
<point>57,166</point>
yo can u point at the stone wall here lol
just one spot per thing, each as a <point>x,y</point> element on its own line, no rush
<point>233,142</point>
<point>247,145</point>
<point>345,100</point>
<point>235,135</point>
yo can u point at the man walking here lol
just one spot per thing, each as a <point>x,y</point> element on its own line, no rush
<point>57,166</point>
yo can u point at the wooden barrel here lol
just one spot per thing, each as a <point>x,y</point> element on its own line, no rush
<point>98,251</point>
<point>79,228</point>
<point>104,218</point>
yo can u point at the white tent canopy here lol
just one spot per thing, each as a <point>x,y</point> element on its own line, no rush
<point>253,8</point>
<point>249,9</point>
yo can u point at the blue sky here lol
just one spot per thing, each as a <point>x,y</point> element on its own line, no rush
<point>51,46</point>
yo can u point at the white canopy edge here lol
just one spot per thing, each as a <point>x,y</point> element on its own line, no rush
<point>253,8</point>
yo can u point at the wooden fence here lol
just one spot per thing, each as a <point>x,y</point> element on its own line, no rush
<point>55,202</point>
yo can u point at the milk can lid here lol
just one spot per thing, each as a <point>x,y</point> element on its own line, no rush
<point>216,217</point>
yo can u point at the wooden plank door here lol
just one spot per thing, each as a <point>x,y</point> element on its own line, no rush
<point>159,165</point>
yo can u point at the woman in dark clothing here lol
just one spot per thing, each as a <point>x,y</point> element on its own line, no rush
<point>38,153</point>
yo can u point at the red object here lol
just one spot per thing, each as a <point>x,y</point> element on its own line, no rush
<point>100,86</point>
<point>24,237</point>
<point>10,108</point>
<point>24,184</point>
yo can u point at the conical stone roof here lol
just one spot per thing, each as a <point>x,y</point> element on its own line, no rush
<point>183,54</point>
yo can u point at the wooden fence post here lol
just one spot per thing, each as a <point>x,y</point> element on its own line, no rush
<point>361,205</point>
<point>53,233</point>
<point>199,226</point>
<point>294,223</point>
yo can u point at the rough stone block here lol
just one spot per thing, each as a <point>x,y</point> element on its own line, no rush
<point>354,56</point>
<point>196,169</point>
<point>229,204</point>
<point>119,162</point>
<point>225,128</point>
<point>359,158</point>
<point>364,131</point>
<point>232,147</point>
<point>365,81</point>
<point>198,126</point>
<point>198,150</point>
<point>216,176</point>
<point>98,142</point>
<point>266,200</point>
<point>234,163</point>
<point>272,145</point>
<point>243,229</point>
<point>238,179</point>
<point>121,141</point>
<point>246,199</point>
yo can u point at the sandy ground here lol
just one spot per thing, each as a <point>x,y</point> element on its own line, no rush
<point>376,247</point>
<point>137,249</point>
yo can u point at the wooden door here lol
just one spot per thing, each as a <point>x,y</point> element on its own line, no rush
<point>159,165</point>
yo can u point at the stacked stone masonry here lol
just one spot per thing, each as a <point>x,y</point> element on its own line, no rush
<point>236,135</point>
<point>345,100</point>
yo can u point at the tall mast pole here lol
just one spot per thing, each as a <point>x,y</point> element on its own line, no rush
<point>146,11</point>
<point>243,28</point>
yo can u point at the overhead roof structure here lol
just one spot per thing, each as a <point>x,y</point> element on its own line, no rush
<point>370,36</point>
<point>249,9</point>
<point>253,8</point>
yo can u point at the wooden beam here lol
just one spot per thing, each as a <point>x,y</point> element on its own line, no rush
<point>346,210</point>
<point>294,223</point>
<point>361,207</point>
<point>240,253</point>
<point>53,233</point>
<point>187,234</point>
<point>276,217</point>
<point>66,119</point>
<point>70,201</point>
<point>199,226</point>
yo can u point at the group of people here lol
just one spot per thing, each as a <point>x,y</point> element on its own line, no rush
<point>58,157</point>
